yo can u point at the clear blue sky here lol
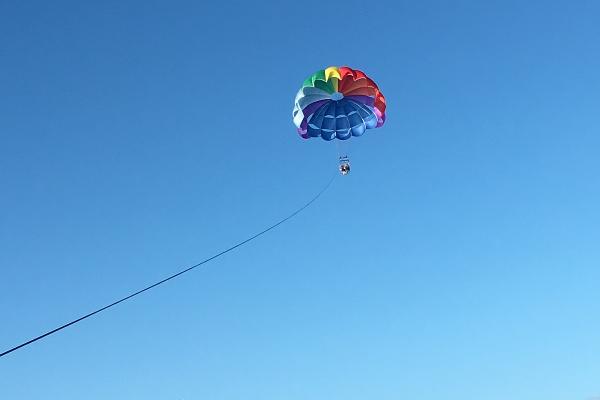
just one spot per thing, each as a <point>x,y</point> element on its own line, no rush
<point>459,260</point>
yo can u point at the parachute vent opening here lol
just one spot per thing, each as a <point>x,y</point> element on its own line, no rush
<point>337,96</point>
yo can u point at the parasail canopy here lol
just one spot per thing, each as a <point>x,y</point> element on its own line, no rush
<point>338,103</point>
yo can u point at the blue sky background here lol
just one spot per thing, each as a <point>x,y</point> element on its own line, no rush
<point>459,260</point>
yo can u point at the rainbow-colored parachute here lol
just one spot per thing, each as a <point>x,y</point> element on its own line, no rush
<point>338,102</point>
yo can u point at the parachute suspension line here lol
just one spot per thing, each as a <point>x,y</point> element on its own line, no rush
<point>343,152</point>
<point>243,242</point>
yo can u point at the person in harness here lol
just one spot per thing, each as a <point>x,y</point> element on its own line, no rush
<point>345,169</point>
<point>344,165</point>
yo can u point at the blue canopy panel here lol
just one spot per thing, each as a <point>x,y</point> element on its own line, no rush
<point>341,119</point>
